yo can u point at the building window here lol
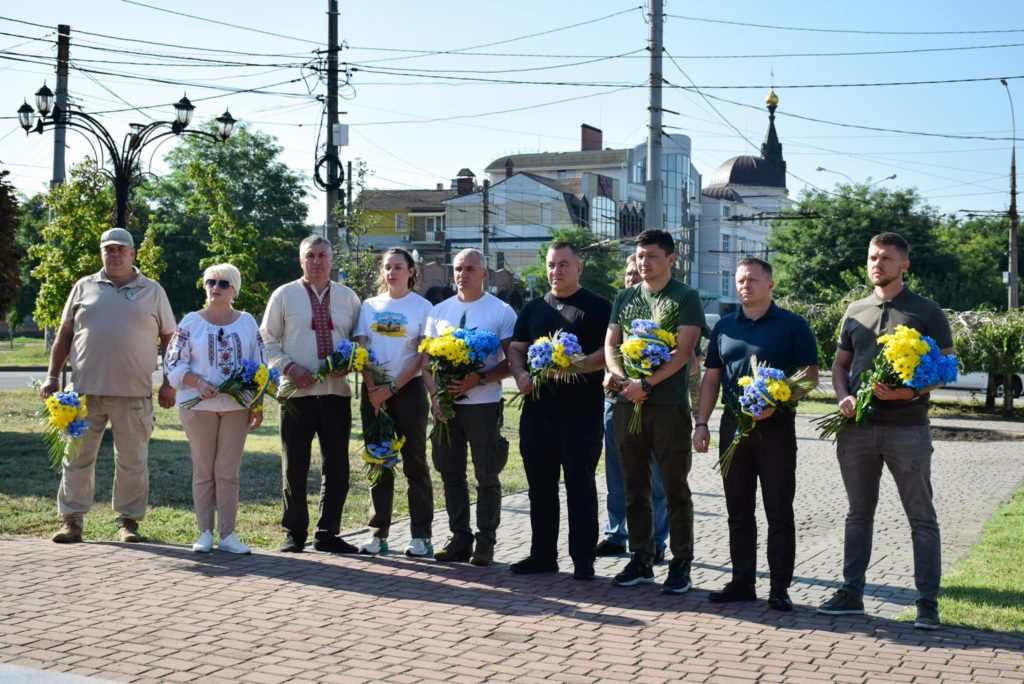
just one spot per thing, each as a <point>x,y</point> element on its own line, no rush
<point>726,283</point>
<point>726,244</point>
<point>725,210</point>
<point>400,226</point>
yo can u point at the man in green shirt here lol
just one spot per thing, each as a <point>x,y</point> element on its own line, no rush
<point>665,426</point>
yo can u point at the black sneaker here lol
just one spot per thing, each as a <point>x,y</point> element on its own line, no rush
<point>927,614</point>
<point>483,554</point>
<point>609,548</point>
<point>778,599</point>
<point>843,602</point>
<point>678,579</point>
<point>458,549</point>
<point>334,544</point>
<point>533,566</point>
<point>635,572</point>
<point>583,571</point>
<point>732,592</point>
<point>292,545</point>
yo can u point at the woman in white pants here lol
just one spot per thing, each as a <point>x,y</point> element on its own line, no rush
<point>207,346</point>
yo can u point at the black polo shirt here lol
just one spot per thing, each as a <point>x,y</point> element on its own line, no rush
<point>779,338</point>
<point>871,317</point>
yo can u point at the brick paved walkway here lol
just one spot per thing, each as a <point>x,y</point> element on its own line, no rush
<point>152,612</point>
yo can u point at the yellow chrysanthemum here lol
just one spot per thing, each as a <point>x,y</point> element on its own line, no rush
<point>665,336</point>
<point>744,381</point>
<point>780,390</point>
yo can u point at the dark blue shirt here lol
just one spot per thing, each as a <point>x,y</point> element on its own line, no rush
<point>779,338</point>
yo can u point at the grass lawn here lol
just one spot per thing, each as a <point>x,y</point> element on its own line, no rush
<point>28,487</point>
<point>985,590</point>
<point>26,351</point>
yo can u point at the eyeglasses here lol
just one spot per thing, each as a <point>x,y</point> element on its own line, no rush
<point>222,284</point>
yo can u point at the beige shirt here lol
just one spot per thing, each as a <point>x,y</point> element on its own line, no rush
<point>287,330</point>
<point>116,330</point>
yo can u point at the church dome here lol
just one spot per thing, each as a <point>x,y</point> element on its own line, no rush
<point>748,170</point>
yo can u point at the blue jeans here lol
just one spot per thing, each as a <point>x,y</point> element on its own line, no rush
<point>615,531</point>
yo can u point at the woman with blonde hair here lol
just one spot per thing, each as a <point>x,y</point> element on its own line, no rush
<point>207,346</point>
<point>392,324</point>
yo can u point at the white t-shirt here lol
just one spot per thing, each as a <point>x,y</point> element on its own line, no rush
<point>394,328</point>
<point>486,313</point>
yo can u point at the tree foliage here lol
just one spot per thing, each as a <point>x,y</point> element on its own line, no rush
<point>69,247</point>
<point>824,317</point>
<point>10,275</point>
<point>979,248</point>
<point>991,342</point>
<point>231,239</point>
<point>603,262</point>
<point>357,261</point>
<point>257,189</point>
<point>828,251</point>
<point>32,220</point>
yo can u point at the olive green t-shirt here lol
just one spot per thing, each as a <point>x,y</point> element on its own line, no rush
<point>637,302</point>
<point>869,318</point>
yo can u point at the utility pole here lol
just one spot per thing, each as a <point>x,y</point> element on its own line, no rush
<point>485,242</point>
<point>653,187</point>
<point>1012,275</point>
<point>333,184</point>
<point>60,131</point>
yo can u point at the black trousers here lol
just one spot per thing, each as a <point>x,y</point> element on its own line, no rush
<point>554,444</point>
<point>768,454</point>
<point>329,418</point>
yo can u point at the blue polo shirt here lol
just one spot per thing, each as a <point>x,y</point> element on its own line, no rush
<point>780,338</point>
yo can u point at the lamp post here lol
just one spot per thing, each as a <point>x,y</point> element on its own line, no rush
<point>882,180</point>
<point>1013,301</point>
<point>124,157</point>
<point>838,173</point>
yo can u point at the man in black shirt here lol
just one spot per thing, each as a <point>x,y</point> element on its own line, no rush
<point>561,429</point>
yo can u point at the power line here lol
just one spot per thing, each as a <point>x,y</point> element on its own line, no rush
<point>220,23</point>
<point>855,31</point>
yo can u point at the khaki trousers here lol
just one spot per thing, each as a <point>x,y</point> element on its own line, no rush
<point>131,419</point>
<point>216,439</point>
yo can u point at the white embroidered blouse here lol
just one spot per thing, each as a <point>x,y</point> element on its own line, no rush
<point>211,352</point>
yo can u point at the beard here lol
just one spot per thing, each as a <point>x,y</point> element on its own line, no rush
<point>884,281</point>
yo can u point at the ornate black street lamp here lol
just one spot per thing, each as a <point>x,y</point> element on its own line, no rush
<point>126,173</point>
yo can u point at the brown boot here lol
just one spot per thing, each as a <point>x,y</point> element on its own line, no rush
<point>483,554</point>
<point>128,532</point>
<point>70,531</point>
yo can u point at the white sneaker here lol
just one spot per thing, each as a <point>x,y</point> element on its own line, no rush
<point>232,544</point>
<point>204,544</point>
<point>419,547</point>
<point>374,545</point>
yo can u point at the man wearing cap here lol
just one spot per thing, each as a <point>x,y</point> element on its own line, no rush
<point>110,326</point>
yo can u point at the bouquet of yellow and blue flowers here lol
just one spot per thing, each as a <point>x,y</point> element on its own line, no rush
<point>646,347</point>
<point>907,359</point>
<point>248,384</point>
<point>764,388</point>
<point>453,355</point>
<point>348,356</point>
<point>64,424</point>
<point>557,357</point>
<point>382,446</point>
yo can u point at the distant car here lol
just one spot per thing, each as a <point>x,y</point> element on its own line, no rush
<point>978,382</point>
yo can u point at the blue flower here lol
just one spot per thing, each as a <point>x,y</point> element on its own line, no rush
<point>249,368</point>
<point>77,428</point>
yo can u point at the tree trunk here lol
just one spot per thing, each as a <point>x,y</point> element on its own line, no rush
<point>1008,379</point>
<point>990,392</point>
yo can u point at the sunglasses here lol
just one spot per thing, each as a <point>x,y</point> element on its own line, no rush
<point>222,284</point>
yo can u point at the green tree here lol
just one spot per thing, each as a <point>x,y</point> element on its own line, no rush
<point>10,274</point>
<point>357,261</point>
<point>34,217</point>
<point>262,192</point>
<point>824,245</point>
<point>993,343</point>
<point>232,240</point>
<point>978,246</point>
<point>824,317</point>
<point>68,248</point>
<point>603,263</point>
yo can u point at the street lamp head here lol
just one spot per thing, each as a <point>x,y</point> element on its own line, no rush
<point>821,168</point>
<point>225,125</point>
<point>25,116</point>
<point>184,109</point>
<point>1003,81</point>
<point>44,100</point>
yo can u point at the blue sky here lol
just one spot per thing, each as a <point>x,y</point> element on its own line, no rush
<point>417,118</point>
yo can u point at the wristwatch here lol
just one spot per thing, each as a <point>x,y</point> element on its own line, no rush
<point>483,378</point>
<point>393,387</point>
<point>646,385</point>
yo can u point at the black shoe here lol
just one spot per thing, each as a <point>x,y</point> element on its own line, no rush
<point>635,572</point>
<point>483,554</point>
<point>609,548</point>
<point>458,549</point>
<point>583,571</point>
<point>927,614</point>
<point>778,599</point>
<point>678,580</point>
<point>842,602</point>
<point>659,556</point>
<point>732,592</point>
<point>534,566</point>
<point>292,545</point>
<point>333,544</point>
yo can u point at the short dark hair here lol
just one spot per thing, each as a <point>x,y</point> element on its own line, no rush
<point>892,240</point>
<point>747,261</point>
<point>563,244</point>
<point>661,238</point>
